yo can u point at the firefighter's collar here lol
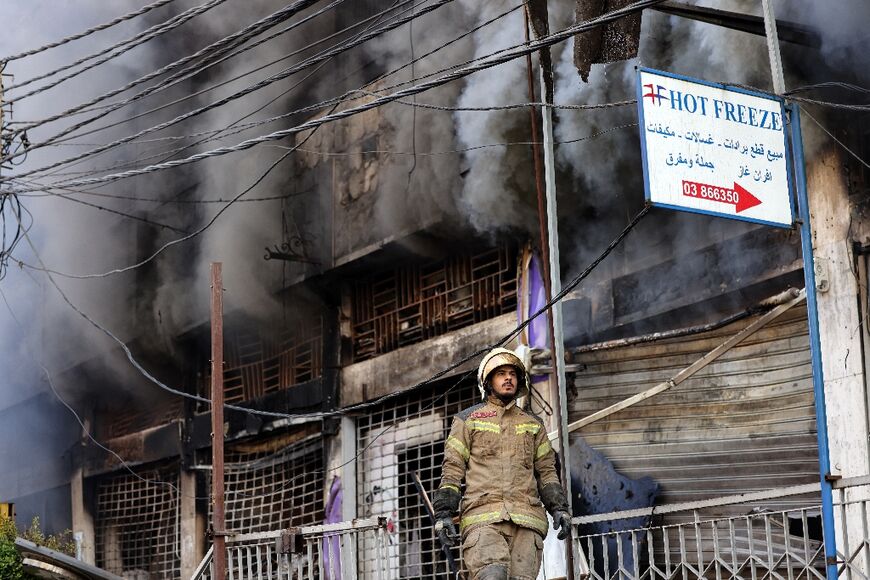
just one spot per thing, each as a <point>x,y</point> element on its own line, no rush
<point>492,399</point>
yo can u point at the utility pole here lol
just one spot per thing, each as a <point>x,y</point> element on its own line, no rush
<point>2,117</point>
<point>217,422</point>
<point>558,352</point>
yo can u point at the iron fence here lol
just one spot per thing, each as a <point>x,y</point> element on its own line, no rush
<point>323,552</point>
<point>760,544</point>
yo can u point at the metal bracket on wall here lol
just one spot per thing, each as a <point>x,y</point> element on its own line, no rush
<point>823,283</point>
<point>293,250</point>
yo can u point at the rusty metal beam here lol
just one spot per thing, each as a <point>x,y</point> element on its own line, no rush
<point>217,420</point>
<point>788,31</point>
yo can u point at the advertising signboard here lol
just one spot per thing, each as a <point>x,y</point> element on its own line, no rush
<point>714,149</point>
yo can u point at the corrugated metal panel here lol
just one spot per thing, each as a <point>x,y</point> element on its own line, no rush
<point>746,422</point>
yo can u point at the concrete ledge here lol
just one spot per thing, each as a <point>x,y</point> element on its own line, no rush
<point>152,444</point>
<point>410,365</point>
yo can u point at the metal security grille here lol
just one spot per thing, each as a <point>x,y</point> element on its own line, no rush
<point>272,487</point>
<point>133,419</point>
<point>137,524</point>
<point>416,302</point>
<point>261,361</point>
<point>405,436</point>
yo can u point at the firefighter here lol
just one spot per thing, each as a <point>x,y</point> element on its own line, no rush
<point>503,455</point>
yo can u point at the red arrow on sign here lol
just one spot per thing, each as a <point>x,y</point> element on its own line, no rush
<point>738,196</point>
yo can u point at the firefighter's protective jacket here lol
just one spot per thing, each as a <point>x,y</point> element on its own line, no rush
<point>503,454</point>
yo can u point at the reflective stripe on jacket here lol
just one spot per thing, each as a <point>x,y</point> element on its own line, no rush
<point>503,454</point>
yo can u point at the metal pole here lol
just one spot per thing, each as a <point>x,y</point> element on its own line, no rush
<point>555,288</point>
<point>2,118</point>
<point>217,421</point>
<point>539,187</point>
<point>430,511</point>
<point>773,47</point>
<point>800,179</point>
<point>539,170</point>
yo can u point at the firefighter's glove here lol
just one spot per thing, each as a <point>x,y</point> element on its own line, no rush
<point>445,503</point>
<point>562,522</point>
<point>446,531</point>
<point>553,498</point>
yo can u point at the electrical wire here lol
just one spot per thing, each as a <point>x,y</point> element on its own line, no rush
<point>213,134</point>
<point>112,51</point>
<point>126,215</point>
<point>164,201</point>
<point>198,69</point>
<point>243,128</point>
<point>169,244</point>
<point>347,95</point>
<point>506,56</point>
<point>503,107</point>
<point>443,395</point>
<point>249,89</point>
<point>9,237</point>
<point>828,85</point>
<point>347,410</point>
<point>790,95</point>
<point>832,105</point>
<point>78,418</point>
<point>439,48</point>
<point>379,400</point>
<point>299,148</point>
<point>164,155</point>
<point>232,40</point>
<point>328,154</point>
<point>88,32</point>
<point>465,149</point>
<point>333,101</point>
<point>840,143</point>
<point>377,18</point>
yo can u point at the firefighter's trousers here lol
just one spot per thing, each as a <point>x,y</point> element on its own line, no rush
<point>502,545</point>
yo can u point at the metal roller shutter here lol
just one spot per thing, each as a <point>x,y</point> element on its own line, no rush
<point>746,422</point>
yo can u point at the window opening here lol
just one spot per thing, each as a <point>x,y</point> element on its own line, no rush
<point>420,422</point>
<point>137,524</point>
<point>411,304</point>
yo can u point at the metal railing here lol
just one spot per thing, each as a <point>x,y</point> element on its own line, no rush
<point>757,545</point>
<point>324,552</point>
<point>746,542</point>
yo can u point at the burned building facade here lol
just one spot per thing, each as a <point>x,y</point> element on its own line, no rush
<point>400,240</point>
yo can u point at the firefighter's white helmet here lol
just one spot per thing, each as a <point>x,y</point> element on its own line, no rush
<point>498,357</point>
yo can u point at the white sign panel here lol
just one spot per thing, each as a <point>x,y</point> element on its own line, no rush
<point>714,149</point>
